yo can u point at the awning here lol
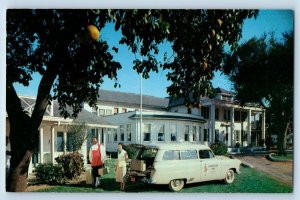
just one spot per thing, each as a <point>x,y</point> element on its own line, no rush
<point>168,117</point>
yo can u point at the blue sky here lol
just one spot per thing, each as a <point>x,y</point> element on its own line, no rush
<point>277,21</point>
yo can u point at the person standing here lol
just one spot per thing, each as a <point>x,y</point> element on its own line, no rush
<point>120,167</point>
<point>97,157</point>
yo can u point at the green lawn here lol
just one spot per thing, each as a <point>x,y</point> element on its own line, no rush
<point>287,157</point>
<point>249,181</point>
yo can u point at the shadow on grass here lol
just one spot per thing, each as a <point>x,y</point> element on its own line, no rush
<point>109,185</point>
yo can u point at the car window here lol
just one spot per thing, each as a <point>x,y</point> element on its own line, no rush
<point>188,154</point>
<point>204,154</point>
<point>171,155</point>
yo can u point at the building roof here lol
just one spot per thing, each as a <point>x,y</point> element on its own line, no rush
<point>131,99</point>
<point>219,90</point>
<point>84,116</point>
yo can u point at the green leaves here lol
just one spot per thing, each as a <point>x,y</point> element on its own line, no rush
<point>262,70</point>
<point>54,40</point>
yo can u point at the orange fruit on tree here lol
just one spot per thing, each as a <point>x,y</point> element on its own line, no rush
<point>213,32</point>
<point>93,32</point>
<point>220,22</point>
<point>204,65</point>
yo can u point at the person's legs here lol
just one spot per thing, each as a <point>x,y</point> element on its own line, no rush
<point>94,177</point>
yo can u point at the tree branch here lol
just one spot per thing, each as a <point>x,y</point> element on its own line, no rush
<point>43,94</point>
<point>13,104</point>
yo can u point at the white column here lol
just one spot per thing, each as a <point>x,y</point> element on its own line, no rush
<point>65,142</point>
<point>52,144</point>
<point>232,128</point>
<point>104,136</point>
<point>41,145</point>
<point>212,123</point>
<point>249,128</point>
<point>263,126</point>
<point>84,150</point>
<point>99,131</point>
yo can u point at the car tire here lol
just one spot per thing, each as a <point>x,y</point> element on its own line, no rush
<point>229,176</point>
<point>176,185</point>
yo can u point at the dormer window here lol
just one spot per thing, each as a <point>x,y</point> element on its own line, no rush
<point>226,98</point>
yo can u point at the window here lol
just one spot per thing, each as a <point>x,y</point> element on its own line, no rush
<point>204,154</point>
<point>186,133</point>
<point>205,112</point>
<point>122,132</point>
<point>194,133</point>
<point>94,110</point>
<point>115,133</point>
<point>216,114</point>
<point>244,116</point>
<point>116,110</point>
<point>188,154</point>
<point>108,112</point>
<point>101,112</point>
<point>237,136</point>
<point>124,110</point>
<point>60,142</point>
<point>173,132</point>
<point>200,133</point>
<point>226,115</point>
<point>237,115</point>
<point>109,135</point>
<point>244,135</point>
<point>226,98</point>
<point>206,138</point>
<point>161,133</point>
<point>217,135</point>
<point>128,130</point>
<point>171,155</point>
<point>147,132</point>
<point>70,141</point>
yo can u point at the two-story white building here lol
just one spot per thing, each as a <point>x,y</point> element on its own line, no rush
<point>167,120</point>
<point>119,118</point>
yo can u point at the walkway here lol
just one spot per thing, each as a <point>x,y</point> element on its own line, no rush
<point>282,171</point>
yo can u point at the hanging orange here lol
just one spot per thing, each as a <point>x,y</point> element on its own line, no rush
<point>93,32</point>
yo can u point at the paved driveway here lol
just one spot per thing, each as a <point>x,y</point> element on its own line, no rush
<point>282,171</point>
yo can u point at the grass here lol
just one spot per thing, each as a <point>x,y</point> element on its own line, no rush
<point>249,181</point>
<point>287,157</point>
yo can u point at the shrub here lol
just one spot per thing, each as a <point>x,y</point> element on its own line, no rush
<point>50,173</point>
<point>132,150</point>
<point>219,148</point>
<point>72,164</point>
<point>237,145</point>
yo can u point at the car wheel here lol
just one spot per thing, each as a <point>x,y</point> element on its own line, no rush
<point>176,185</point>
<point>229,176</point>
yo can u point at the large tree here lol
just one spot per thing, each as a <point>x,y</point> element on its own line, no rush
<point>262,71</point>
<point>55,44</point>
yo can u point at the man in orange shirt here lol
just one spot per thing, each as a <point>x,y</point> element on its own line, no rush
<point>97,156</point>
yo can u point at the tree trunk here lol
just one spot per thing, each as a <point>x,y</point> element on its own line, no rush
<point>282,139</point>
<point>24,131</point>
<point>23,140</point>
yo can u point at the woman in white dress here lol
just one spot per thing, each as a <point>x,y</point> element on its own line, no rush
<point>120,167</point>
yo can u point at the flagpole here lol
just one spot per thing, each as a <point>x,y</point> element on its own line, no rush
<point>141,108</point>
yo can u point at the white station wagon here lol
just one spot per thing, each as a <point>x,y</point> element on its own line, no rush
<point>177,164</point>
